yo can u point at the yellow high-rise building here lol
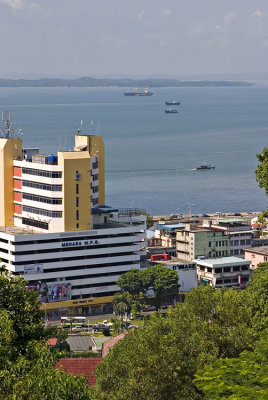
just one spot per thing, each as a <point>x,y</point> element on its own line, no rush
<point>55,228</point>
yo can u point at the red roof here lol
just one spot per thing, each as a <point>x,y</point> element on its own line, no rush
<point>52,341</point>
<point>79,366</point>
<point>110,343</point>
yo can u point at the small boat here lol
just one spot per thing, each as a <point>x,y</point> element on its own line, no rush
<point>172,103</point>
<point>135,92</point>
<point>171,111</point>
<point>205,166</point>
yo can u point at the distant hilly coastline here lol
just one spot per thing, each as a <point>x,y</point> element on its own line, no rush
<point>106,82</point>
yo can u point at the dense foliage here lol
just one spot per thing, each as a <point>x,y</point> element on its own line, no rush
<point>27,366</point>
<point>244,377</point>
<point>161,281</point>
<point>160,360</point>
<point>212,346</point>
<point>262,169</point>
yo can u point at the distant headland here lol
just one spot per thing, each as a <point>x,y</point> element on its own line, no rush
<point>105,82</point>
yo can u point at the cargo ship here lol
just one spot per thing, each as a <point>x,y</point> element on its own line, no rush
<point>135,92</point>
<point>171,111</point>
<point>172,103</point>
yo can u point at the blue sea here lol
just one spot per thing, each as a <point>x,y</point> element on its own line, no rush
<point>150,155</point>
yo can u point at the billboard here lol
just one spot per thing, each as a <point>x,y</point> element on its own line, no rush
<point>59,291</point>
<point>33,268</point>
<point>40,288</point>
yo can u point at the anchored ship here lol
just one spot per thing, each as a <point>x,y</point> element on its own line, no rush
<point>135,92</point>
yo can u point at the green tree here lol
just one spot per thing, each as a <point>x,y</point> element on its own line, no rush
<point>150,363</point>
<point>262,169</point>
<point>245,377</point>
<point>132,282</point>
<point>27,366</point>
<point>23,308</point>
<point>121,303</point>
<point>163,282</point>
<point>257,296</point>
<point>34,376</point>
<point>160,360</point>
<point>226,320</point>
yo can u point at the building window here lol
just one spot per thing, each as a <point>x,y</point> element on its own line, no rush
<point>39,211</point>
<point>77,226</point>
<point>41,199</point>
<point>244,267</point>
<point>37,172</point>
<point>77,215</point>
<point>77,201</point>
<point>236,268</point>
<point>42,186</point>
<point>226,269</point>
<point>77,188</point>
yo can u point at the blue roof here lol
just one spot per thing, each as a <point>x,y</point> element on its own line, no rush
<point>169,227</point>
<point>103,210</point>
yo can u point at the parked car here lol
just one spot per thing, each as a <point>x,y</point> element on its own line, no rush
<point>100,327</point>
<point>127,325</point>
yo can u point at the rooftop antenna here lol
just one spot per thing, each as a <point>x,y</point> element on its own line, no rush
<point>8,131</point>
<point>92,128</point>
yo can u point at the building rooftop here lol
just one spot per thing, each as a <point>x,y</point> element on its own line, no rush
<point>103,210</point>
<point>221,261</point>
<point>232,220</point>
<point>169,227</point>
<point>80,366</point>
<point>259,250</point>
<point>79,343</point>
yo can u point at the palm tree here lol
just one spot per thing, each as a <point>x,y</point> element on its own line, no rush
<point>121,304</point>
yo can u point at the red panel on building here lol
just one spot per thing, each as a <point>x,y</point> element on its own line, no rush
<point>18,209</point>
<point>17,171</point>
<point>17,196</point>
<point>17,184</point>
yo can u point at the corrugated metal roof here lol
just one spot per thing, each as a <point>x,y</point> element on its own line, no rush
<point>80,343</point>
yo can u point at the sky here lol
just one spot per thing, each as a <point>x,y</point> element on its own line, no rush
<point>132,38</point>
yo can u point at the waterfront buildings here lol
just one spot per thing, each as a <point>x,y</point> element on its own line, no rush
<point>223,272</point>
<point>197,241</point>
<point>55,227</point>
<point>239,231</point>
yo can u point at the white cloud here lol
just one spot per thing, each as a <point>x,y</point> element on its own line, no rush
<point>107,39</point>
<point>141,15</point>
<point>162,43</point>
<point>257,14</point>
<point>15,4</point>
<point>20,4</point>
<point>167,12</point>
<point>228,19</point>
<point>221,42</point>
<point>198,30</point>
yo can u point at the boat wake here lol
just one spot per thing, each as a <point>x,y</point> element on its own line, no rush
<point>150,171</point>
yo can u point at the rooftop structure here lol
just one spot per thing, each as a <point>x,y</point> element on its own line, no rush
<point>194,241</point>
<point>223,272</point>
